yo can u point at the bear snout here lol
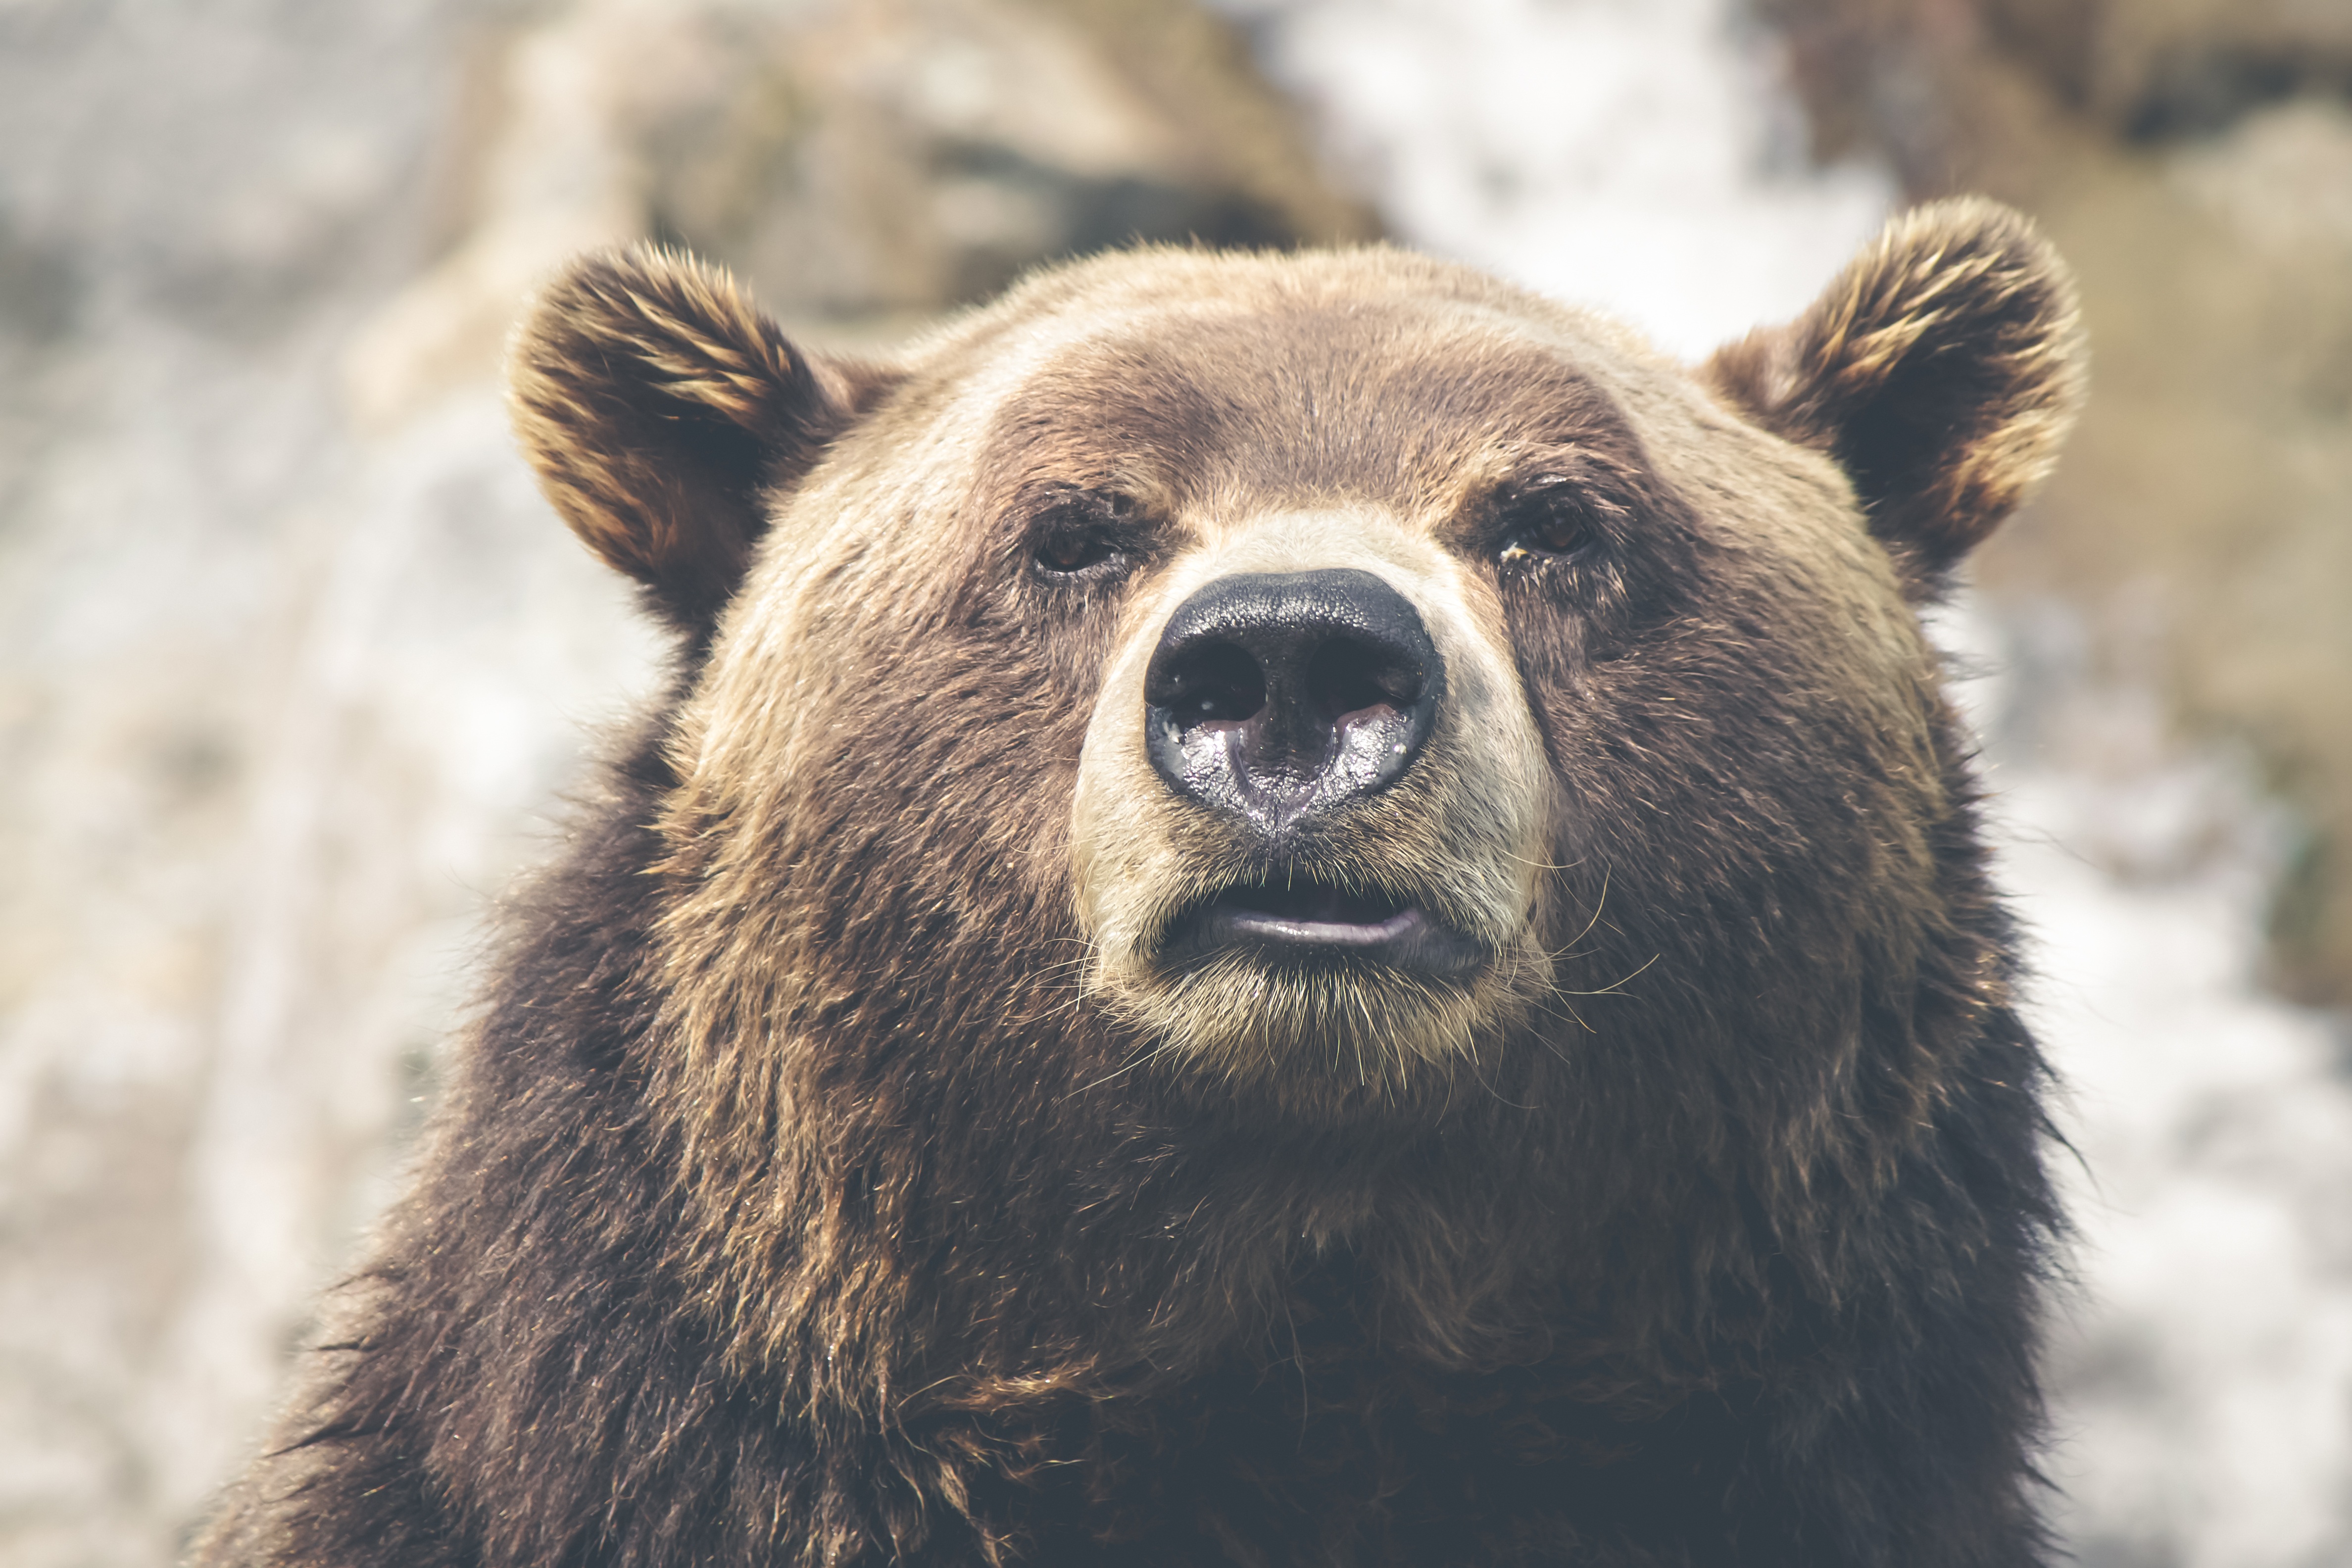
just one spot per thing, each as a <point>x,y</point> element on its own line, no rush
<point>1310,808</point>
<point>1280,699</point>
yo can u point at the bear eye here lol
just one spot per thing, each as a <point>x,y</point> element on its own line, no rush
<point>1082,537</point>
<point>1544,517</point>
<point>1074,552</point>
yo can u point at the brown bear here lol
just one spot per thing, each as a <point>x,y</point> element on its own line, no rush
<point>1291,909</point>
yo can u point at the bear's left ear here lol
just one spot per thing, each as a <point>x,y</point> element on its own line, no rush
<point>661,409</point>
<point>1941,371</point>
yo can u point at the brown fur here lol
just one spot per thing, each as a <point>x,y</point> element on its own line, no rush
<point>835,1178</point>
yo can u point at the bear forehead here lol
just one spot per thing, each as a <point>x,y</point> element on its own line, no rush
<point>1368,374</point>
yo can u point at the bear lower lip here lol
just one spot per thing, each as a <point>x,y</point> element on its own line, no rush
<point>1310,919</point>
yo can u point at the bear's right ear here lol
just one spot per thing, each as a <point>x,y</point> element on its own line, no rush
<point>1941,371</point>
<point>660,409</point>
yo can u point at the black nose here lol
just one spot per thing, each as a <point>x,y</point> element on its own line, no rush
<point>1283,696</point>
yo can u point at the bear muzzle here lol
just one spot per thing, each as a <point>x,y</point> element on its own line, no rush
<point>1312,806</point>
<point>1278,700</point>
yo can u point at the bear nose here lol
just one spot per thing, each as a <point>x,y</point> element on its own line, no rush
<point>1282,697</point>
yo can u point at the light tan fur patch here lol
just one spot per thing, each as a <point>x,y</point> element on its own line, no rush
<point>1464,834</point>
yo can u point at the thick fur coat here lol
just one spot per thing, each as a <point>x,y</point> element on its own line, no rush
<point>856,1163</point>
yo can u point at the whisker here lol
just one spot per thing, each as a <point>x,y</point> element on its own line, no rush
<point>1612,988</point>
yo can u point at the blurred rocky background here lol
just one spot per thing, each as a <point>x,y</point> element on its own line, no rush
<point>294,666</point>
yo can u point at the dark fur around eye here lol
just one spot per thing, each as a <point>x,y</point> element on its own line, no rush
<point>1548,517</point>
<point>1083,536</point>
<point>1590,551</point>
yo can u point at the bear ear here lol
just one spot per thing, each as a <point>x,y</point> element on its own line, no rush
<point>1941,371</point>
<point>661,408</point>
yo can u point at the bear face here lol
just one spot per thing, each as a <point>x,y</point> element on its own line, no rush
<point>1666,710</point>
<point>1292,908</point>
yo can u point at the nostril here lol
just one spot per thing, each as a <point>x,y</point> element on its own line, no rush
<point>1211,683</point>
<point>1347,676</point>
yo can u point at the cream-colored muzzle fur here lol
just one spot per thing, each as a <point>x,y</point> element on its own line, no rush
<point>1462,834</point>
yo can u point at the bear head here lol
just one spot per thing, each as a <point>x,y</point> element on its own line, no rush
<point>1313,695</point>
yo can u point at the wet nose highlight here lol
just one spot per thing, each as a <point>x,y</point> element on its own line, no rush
<point>1283,697</point>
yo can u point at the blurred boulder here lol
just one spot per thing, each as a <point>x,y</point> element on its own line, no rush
<point>868,163</point>
<point>2193,159</point>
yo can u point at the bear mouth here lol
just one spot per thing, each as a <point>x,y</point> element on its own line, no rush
<point>1306,918</point>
